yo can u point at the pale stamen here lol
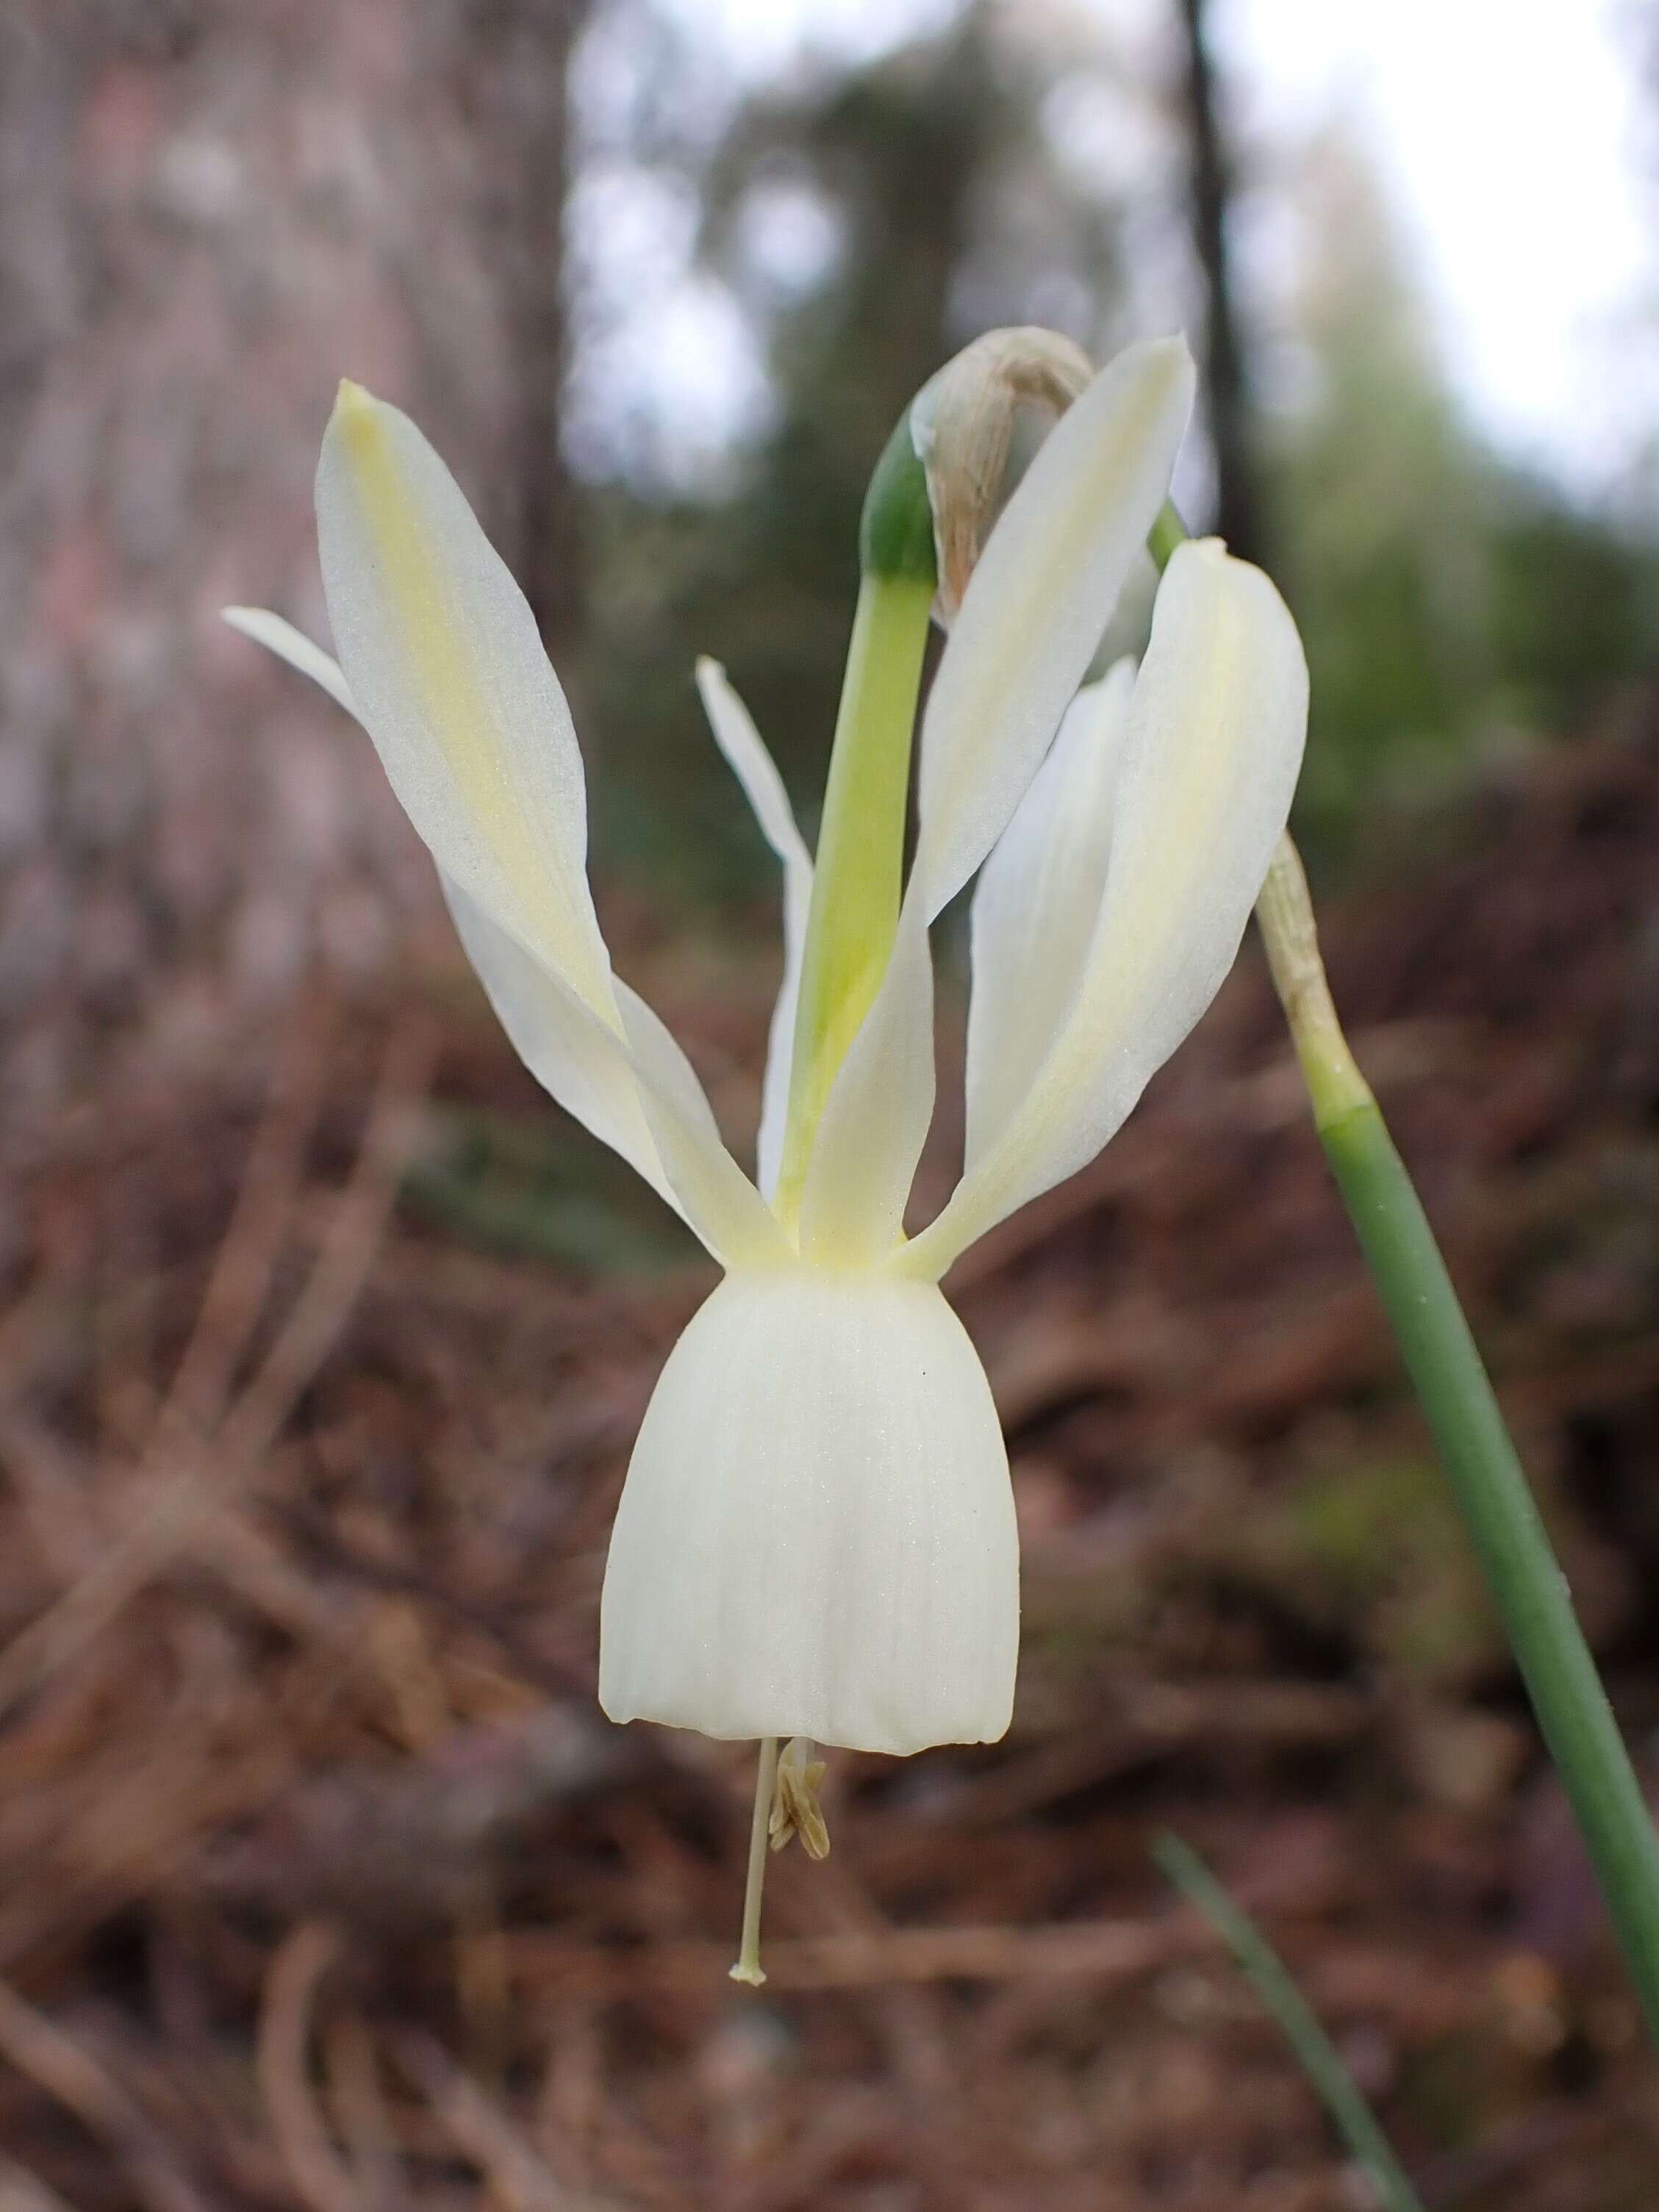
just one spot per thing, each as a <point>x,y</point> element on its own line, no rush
<point>748,1968</point>
<point>795,1808</point>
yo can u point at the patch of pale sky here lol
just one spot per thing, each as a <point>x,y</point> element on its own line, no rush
<point>774,37</point>
<point>1506,130</point>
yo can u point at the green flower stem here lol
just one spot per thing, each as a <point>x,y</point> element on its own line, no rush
<point>1320,2060</point>
<point>1522,1573</point>
<point>1167,532</point>
<point>860,865</point>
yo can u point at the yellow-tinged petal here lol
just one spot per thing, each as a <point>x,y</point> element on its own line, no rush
<point>446,669</point>
<point>1030,622</point>
<point>294,647</point>
<point>1210,761</point>
<point>636,1092</point>
<point>1039,602</point>
<point>874,1125</point>
<point>740,741</point>
<point>1036,905</point>
<point>612,1065</point>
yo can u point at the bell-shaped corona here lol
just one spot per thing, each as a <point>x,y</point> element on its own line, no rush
<point>817,1534</point>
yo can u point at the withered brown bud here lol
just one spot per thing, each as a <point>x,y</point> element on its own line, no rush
<point>963,424</point>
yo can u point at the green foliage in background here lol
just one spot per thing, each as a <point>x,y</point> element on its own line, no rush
<point>1449,602</point>
<point>1372,1552</point>
<point>540,1189</point>
<point>949,214</point>
<point>1453,606</point>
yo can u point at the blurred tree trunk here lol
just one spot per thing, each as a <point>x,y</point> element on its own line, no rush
<point>519,54</point>
<point>212,214</point>
<point>1226,378</point>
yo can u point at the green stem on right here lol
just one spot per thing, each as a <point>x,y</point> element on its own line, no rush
<point>1521,1570</point>
<point>1522,1573</point>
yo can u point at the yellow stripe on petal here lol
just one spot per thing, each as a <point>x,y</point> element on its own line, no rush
<point>1209,762</point>
<point>441,662</point>
<point>446,665</point>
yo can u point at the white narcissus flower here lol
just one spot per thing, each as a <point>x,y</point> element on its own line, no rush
<point>817,1534</point>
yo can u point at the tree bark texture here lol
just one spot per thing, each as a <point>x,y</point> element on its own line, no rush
<point>212,214</point>
<point>1225,379</point>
